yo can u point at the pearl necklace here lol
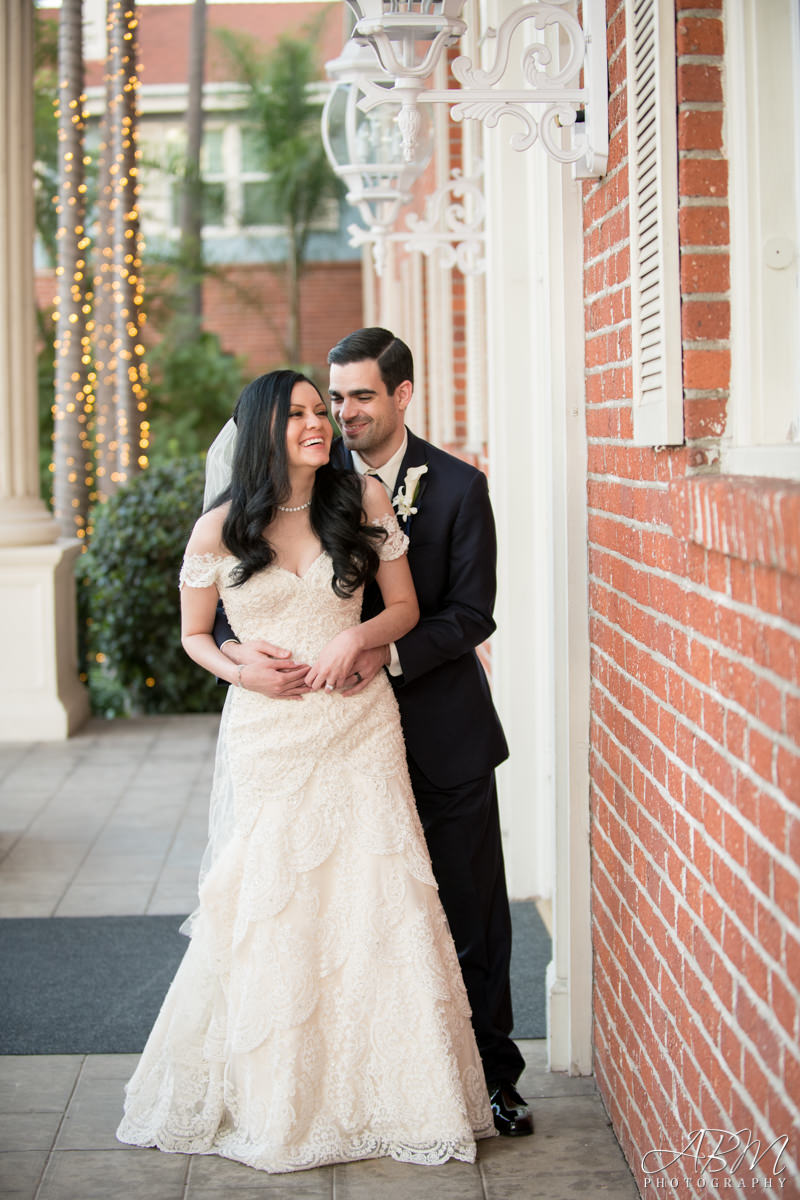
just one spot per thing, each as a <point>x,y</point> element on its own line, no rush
<point>296,508</point>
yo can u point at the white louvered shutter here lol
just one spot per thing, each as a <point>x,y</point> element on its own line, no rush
<point>653,186</point>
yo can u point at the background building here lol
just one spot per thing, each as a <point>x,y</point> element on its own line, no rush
<point>243,244</point>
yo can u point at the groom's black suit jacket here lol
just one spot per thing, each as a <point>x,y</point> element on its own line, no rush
<point>452,731</point>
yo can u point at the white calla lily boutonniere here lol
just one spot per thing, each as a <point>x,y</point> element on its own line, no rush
<point>407,493</point>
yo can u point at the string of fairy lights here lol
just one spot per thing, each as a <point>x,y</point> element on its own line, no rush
<point>72,464</point>
<point>101,433</point>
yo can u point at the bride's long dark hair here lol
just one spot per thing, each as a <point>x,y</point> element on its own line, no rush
<point>260,482</point>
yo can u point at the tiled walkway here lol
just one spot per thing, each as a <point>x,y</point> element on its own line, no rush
<point>113,822</point>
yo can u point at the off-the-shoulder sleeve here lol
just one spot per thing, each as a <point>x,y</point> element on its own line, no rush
<point>395,544</point>
<point>200,570</point>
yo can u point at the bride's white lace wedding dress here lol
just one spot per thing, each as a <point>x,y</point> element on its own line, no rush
<point>319,1014</point>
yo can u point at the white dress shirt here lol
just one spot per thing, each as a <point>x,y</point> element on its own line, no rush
<point>387,473</point>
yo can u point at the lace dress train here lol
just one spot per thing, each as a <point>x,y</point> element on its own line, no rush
<point>318,1014</point>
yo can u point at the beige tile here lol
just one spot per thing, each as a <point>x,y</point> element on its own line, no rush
<point>98,867</point>
<point>573,1147</point>
<point>109,1066</point>
<point>28,1130</point>
<point>12,753</point>
<point>50,856</point>
<point>8,838</point>
<point>392,1180</point>
<point>41,1083</point>
<point>284,1187</point>
<point>170,899</point>
<point>536,1082</point>
<point>121,841</point>
<point>20,1172</point>
<point>103,1174</point>
<point>56,824</point>
<point>104,899</point>
<point>19,808</point>
<point>95,1109</point>
<point>29,893</point>
<point>213,1178</point>
<point>30,905</point>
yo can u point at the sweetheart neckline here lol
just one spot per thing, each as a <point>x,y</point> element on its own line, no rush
<point>272,566</point>
<point>294,574</point>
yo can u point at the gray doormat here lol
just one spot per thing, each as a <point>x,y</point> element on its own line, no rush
<point>94,985</point>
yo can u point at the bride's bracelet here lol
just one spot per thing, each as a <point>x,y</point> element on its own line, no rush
<point>239,676</point>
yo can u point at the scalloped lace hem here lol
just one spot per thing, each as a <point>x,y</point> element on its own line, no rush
<point>427,1154</point>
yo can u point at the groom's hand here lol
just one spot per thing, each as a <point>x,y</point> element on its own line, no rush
<point>367,666</point>
<point>271,670</point>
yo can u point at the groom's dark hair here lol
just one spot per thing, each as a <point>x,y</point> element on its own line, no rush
<point>395,360</point>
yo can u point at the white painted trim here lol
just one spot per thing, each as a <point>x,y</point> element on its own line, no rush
<point>41,698</point>
<point>369,288</point>
<point>519,475</point>
<point>440,305</point>
<point>472,133</point>
<point>653,212</point>
<point>419,417</point>
<point>570,977</point>
<point>763,139</point>
<point>775,462</point>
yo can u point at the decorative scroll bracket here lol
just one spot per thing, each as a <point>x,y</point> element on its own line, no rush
<point>452,228</point>
<point>552,100</point>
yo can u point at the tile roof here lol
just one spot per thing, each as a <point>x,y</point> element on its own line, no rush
<point>164,35</point>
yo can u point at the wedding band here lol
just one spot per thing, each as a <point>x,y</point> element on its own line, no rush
<point>357,675</point>
<point>328,687</point>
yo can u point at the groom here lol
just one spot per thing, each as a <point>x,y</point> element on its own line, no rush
<point>453,735</point>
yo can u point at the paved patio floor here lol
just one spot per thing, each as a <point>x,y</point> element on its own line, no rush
<point>113,822</point>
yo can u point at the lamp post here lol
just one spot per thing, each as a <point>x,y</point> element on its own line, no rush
<point>409,38</point>
<point>366,149</point>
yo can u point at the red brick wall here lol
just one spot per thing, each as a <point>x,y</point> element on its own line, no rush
<point>245,305</point>
<point>248,310</point>
<point>695,736</point>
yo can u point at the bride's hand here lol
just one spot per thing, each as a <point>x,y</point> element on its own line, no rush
<point>335,662</point>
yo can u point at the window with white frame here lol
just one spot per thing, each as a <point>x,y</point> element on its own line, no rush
<point>762,65</point>
<point>215,184</point>
<point>212,167</point>
<point>256,205</point>
<point>236,194</point>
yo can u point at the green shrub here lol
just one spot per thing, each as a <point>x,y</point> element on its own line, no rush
<point>193,388</point>
<point>128,593</point>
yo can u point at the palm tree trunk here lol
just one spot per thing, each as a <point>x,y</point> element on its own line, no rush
<point>293,298</point>
<point>72,455</point>
<point>105,405</point>
<point>125,274</point>
<point>191,284</point>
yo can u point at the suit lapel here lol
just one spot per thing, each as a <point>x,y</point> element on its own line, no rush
<point>415,456</point>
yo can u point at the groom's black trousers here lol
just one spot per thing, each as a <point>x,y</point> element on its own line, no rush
<point>462,829</point>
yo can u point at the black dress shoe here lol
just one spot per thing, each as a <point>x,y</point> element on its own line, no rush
<point>512,1117</point>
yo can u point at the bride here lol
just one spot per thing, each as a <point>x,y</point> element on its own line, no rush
<point>318,1015</point>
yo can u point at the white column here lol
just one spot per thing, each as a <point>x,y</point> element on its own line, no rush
<point>439,299</point>
<point>520,470</point>
<point>569,981</point>
<point>538,482</point>
<point>40,696</point>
